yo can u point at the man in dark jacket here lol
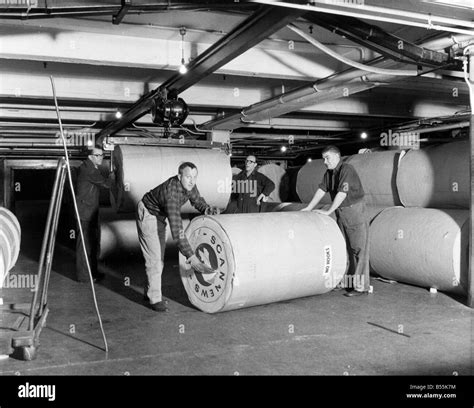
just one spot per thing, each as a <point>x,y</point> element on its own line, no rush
<point>89,181</point>
<point>251,188</point>
<point>165,201</point>
<point>347,194</point>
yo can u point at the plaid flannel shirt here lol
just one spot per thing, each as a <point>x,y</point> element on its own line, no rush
<point>166,200</point>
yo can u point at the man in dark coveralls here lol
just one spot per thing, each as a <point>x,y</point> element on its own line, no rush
<point>89,181</point>
<point>347,194</point>
<point>251,188</point>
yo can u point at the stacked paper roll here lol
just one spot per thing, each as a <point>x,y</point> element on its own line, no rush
<point>139,169</point>
<point>435,176</point>
<point>422,246</point>
<point>276,174</point>
<point>118,234</point>
<point>10,239</point>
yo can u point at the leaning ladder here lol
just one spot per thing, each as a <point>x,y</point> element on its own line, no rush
<point>26,329</point>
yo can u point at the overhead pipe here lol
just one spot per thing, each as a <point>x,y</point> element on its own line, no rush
<point>321,94</point>
<point>261,24</point>
<point>47,11</point>
<point>238,136</point>
<point>442,128</point>
<point>428,18</point>
<point>308,95</point>
<point>440,43</point>
<point>348,61</point>
<point>303,94</point>
<point>379,40</point>
<point>297,94</point>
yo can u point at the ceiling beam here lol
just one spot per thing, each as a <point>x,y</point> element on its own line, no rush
<point>117,18</point>
<point>150,49</point>
<point>256,28</point>
<point>261,24</point>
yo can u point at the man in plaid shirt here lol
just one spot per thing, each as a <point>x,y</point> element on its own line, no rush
<point>165,201</point>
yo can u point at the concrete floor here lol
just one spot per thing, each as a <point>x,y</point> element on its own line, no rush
<point>397,330</point>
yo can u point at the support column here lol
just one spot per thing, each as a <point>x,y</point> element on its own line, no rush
<point>470,289</point>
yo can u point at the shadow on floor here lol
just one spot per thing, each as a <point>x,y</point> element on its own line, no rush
<point>125,275</point>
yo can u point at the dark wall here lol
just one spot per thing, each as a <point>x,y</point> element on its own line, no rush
<point>36,185</point>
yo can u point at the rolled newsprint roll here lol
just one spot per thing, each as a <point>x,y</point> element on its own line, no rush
<point>377,172</point>
<point>10,239</point>
<point>308,180</point>
<point>139,169</point>
<point>435,176</point>
<point>276,174</point>
<point>372,210</point>
<point>290,255</point>
<point>118,234</point>
<point>422,246</point>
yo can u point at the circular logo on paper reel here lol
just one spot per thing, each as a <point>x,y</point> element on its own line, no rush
<point>210,251</point>
<point>207,256</point>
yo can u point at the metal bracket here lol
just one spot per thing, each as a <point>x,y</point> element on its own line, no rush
<point>111,141</point>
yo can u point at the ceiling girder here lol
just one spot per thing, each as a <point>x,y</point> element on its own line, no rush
<point>264,22</point>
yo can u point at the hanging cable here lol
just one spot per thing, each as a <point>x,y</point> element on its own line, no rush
<point>146,131</point>
<point>68,167</point>
<point>198,131</point>
<point>347,61</point>
<point>190,131</point>
<point>196,128</point>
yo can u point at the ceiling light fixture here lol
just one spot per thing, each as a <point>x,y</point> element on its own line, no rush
<point>182,67</point>
<point>169,112</point>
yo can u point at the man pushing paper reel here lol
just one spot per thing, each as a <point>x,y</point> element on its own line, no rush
<point>262,258</point>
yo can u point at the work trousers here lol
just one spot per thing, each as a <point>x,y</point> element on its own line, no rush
<point>152,238</point>
<point>354,224</point>
<point>91,231</point>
